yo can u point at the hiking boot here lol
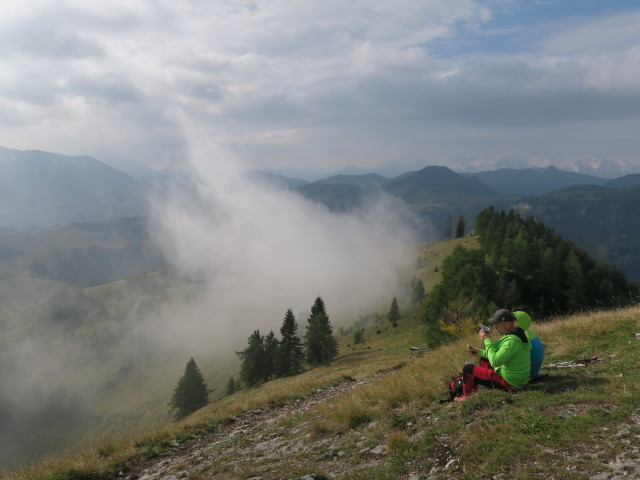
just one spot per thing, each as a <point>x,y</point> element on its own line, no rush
<point>460,399</point>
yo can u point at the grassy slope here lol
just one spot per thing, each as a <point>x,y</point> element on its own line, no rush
<point>122,400</point>
<point>575,422</point>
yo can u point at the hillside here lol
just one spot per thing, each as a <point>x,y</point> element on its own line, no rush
<point>375,412</point>
<point>603,221</point>
<point>368,180</point>
<point>626,181</point>
<point>382,419</point>
<point>439,184</point>
<point>81,254</point>
<point>97,357</point>
<point>533,181</point>
<point>42,189</point>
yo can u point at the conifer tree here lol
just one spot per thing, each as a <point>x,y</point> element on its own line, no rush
<point>461,226</point>
<point>322,346</point>
<point>191,393</point>
<point>271,346</point>
<point>252,369</point>
<point>394,312</point>
<point>521,264</point>
<point>290,353</point>
<point>232,386</point>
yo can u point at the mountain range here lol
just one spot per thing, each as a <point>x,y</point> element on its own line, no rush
<point>593,166</point>
<point>43,189</point>
<point>533,181</point>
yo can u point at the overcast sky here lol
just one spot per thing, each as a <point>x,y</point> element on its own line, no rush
<point>319,85</point>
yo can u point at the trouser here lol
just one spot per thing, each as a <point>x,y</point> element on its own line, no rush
<point>482,374</point>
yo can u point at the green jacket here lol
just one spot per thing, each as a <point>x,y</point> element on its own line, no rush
<point>510,357</point>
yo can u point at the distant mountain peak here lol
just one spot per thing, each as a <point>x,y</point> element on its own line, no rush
<point>435,182</point>
<point>44,189</point>
<point>533,180</point>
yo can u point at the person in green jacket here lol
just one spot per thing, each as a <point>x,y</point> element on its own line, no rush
<point>505,363</point>
<point>537,348</point>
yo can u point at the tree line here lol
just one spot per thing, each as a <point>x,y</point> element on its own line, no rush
<point>265,358</point>
<point>521,264</point>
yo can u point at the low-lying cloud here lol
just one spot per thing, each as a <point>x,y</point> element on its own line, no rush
<point>261,250</point>
<point>101,361</point>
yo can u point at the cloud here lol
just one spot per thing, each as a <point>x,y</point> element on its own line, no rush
<point>261,250</point>
<point>331,72</point>
<point>110,89</point>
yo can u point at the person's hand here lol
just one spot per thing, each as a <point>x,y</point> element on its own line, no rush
<point>472,350</point>
<point>483,335</point>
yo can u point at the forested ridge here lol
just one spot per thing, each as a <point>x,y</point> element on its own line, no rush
<point>604,221</point>
<point>521,265</point>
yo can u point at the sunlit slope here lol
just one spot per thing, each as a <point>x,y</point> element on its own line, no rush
<point>107,347</point>
<point>581,420</point>
<point>132,382</point>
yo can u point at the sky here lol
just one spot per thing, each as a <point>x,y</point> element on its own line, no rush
<point>318,86</point>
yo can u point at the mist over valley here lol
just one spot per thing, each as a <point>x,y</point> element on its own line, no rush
<point>110,283</point>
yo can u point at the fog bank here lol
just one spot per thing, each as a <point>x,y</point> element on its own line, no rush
<point>261,250</point>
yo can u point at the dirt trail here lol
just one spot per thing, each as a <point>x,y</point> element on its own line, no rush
<point>257,444</point>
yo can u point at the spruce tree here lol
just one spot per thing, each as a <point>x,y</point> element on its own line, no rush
<point>252,369</point>
<point>231,386</point>
<point>322,347</point>
<point>191,393</point>
<point>290,353</point>
<point>461,226</point>
<point>271,346</point>
<point>394,312</point>
<point>521,264</point>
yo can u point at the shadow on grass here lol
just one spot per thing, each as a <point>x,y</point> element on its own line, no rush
<point>560,382</point>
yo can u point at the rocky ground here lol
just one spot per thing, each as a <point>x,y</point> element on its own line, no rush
<point>262,444</point>
<point>288,442</point>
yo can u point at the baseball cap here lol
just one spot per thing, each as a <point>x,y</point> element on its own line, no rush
<point>502,315</point>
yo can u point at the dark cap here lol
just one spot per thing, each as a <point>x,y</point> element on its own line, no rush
<point>502,315</point>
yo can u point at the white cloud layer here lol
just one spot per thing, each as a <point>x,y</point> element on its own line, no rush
<point>261,250</point>
<point>322,84</point>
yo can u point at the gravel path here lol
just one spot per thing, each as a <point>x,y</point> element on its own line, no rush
<point>258,445</point>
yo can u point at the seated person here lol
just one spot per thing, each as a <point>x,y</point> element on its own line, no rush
<point>537,348</point>
<point>509,358</point>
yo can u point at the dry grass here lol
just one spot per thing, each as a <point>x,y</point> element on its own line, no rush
<point>410,390</point>
<point>582,402</point>
<point>425,379</point>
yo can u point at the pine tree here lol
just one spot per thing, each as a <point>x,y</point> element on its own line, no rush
<point>232,386</point>
<point>271,346</point>
<point>394,312</point>
<point>290,353</point>
<point>461,226</point>
<point>322,346</point>
<point>191,393</point>
<point>253,360</point>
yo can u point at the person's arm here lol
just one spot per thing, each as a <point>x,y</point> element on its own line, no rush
<point>485,337</point>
